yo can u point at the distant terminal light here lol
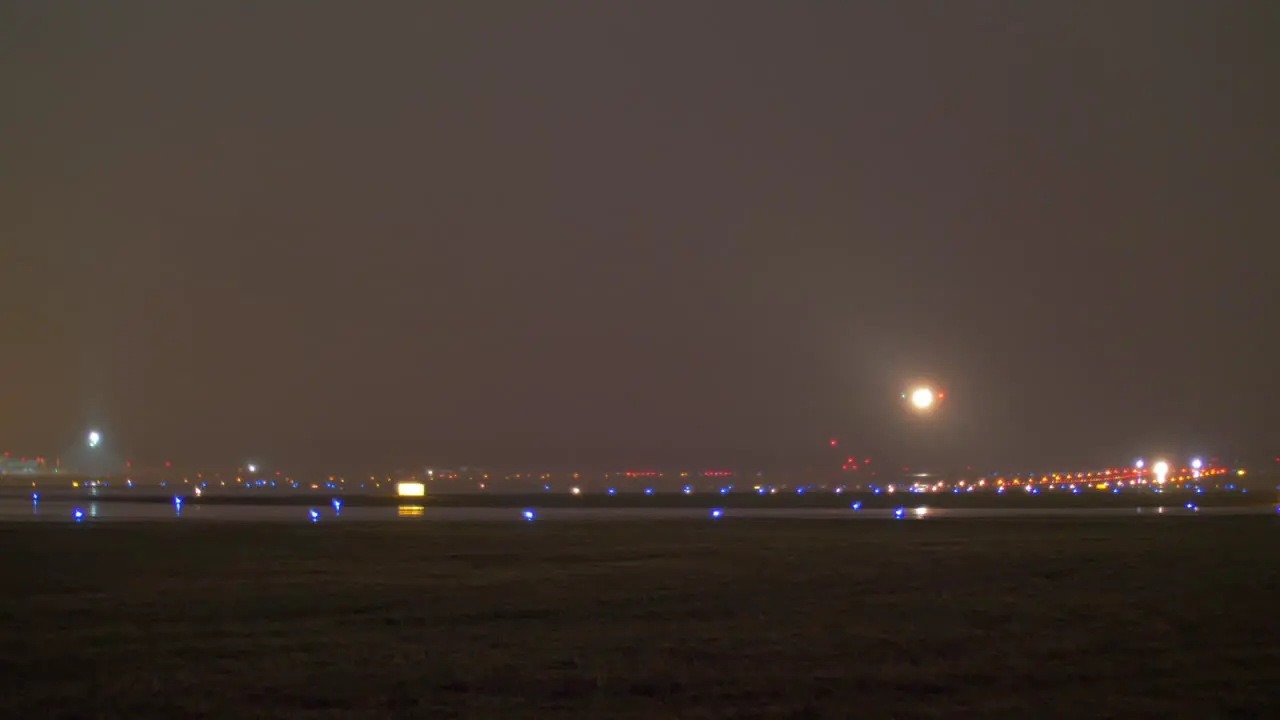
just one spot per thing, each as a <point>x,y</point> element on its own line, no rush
<point>95,438</point>
<point>411,489</point>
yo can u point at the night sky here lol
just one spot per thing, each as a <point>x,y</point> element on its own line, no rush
<point>646,234</point>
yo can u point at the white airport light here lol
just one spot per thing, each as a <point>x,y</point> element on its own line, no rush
<point>1196,463</point>
<point>95,438</point>
<point>253,468</point>
<point>922,398</point>
<point>411,489</point>
<point>1161,469</point>
<point>1139,463</point>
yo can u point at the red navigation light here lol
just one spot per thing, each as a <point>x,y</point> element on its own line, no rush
<point>168,464</point>
<point>832,443</point>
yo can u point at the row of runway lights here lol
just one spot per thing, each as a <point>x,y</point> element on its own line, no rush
<point>530,515</point>
<point>899,513</point>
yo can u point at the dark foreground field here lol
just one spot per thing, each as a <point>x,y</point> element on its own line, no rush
<point>1159,618</point>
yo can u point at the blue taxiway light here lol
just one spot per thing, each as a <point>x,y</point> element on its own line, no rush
<point>857,505</point>
<point>899,513</point>
<point>716,513</point>
<point>77,515</point>
<point>314,515</point>
<point>337,505</point>
<point>528,515</point>
<point>613,491</point>
<point>648,491</point>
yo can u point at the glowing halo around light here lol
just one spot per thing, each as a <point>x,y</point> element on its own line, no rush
<point>922,398</point>
<point>95,438</point>
<point>1161,470</point>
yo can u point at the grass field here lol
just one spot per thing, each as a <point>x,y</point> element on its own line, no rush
<point>1158,617</point>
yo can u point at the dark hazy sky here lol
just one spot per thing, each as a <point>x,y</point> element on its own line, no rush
<point>643,233</point>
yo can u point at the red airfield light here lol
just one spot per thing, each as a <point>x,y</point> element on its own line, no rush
<point>832,443</point>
